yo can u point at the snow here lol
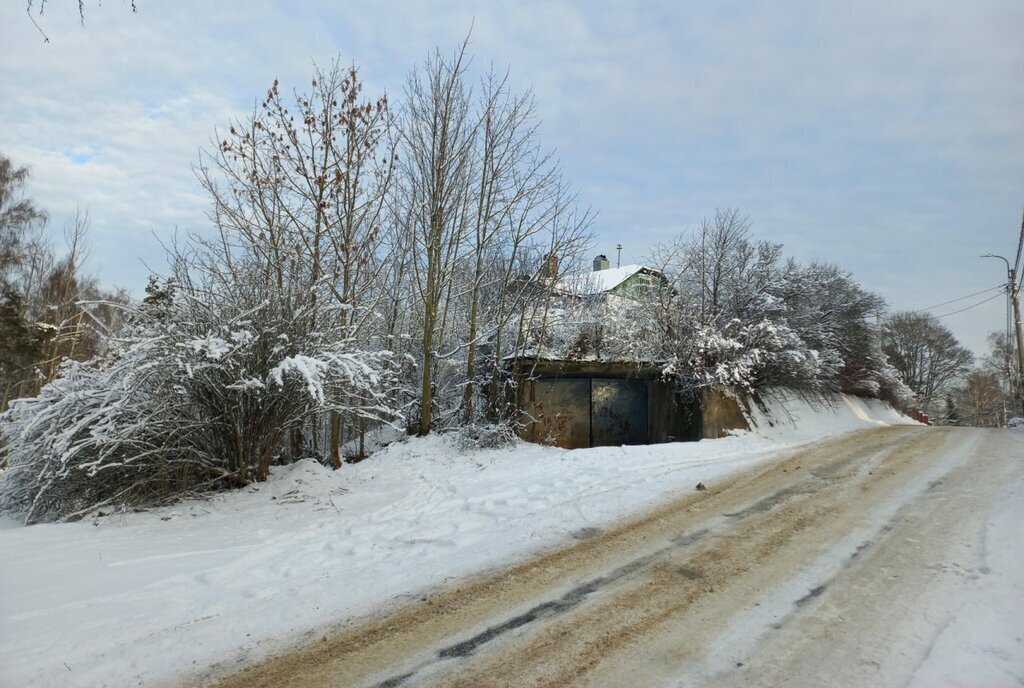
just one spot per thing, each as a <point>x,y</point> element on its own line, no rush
<point>748,629</point>
<point>215,348</point>
<point>167,596</point>
<point>981,643</point>
<point>310,369</point>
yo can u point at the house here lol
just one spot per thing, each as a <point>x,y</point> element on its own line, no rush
<point>628,281</point>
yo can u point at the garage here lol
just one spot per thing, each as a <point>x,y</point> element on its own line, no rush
<point>575,405</point>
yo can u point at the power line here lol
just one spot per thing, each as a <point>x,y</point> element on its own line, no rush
<point>946,315</point>
<point>962,298</point>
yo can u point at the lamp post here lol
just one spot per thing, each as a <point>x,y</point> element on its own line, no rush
<point>1014,293</point>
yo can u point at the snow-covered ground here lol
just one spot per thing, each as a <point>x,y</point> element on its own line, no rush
<point>982,644</point>
<point>160,598</point>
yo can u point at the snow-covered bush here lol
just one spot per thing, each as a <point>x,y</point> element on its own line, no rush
<point>88,439</point>
<point>734,314</point>
<point>486,436</point>
<point>195,392</point>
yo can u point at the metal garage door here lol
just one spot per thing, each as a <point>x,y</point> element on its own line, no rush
<point>588,412</point>
<point>618,412</point>
<point>560,411</point>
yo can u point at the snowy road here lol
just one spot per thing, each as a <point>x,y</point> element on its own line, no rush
<point>883,557</point>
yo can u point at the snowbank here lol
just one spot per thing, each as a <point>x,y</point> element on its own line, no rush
<point>789,417</point>
<point>172,595</point>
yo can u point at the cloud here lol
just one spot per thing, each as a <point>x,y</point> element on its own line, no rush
<point>885,137</point>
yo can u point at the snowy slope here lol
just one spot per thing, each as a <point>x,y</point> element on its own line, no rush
<point>165,597</point>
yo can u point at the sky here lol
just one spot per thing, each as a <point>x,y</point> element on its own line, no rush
<point>886,137</point>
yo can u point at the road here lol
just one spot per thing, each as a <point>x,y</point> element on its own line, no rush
<point>829,566</point>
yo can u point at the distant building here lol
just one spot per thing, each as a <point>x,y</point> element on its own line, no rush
<point>628,281</point>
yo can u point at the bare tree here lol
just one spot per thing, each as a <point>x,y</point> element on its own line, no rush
<point>980,401</point>
<point>19,216</point>
<point>299,190</point>
<point>926,354</point>
<point>438,131</point>
<point>483,209</point>
<point>525,222</point>
<point>1001,361</point>
<point>720,240</point>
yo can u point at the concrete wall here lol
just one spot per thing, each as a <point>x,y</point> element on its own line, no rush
<point>672,418</point>
<point>720,414</point>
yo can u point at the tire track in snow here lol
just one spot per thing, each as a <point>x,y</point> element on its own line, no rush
<point>410,639</point>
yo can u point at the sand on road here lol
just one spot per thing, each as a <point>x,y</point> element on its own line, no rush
<point>824,567</point>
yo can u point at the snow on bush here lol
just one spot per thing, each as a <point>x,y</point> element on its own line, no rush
<point>192,394</point>
<point>732,313</point>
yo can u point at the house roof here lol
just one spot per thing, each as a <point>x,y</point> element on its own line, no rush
<point>600,281</point>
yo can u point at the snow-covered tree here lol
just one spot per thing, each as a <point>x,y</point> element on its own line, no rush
<point>732,313</point>
<point>199,389</point>
<point>299,189</point>
<point>481,209</point>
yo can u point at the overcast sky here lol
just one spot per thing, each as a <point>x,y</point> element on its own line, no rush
<point>887,137</point>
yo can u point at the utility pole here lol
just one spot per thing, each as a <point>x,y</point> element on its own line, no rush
<point>618,258</point>
<point>1014,292</point>
<point>1015,295</point>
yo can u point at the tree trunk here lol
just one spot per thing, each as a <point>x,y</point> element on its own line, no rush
<point>335,440</point>
<point>426,389</point>
<point>263,469</point>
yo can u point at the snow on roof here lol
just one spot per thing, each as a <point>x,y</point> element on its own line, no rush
<point>599,281</point>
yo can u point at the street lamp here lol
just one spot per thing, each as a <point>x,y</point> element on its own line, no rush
<point>1009,270</point>
<point>1014,293</point>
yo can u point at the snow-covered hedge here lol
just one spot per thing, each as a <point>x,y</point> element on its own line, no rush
<point>192,394</point>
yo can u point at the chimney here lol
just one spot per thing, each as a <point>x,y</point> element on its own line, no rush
<point>601,263</point>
